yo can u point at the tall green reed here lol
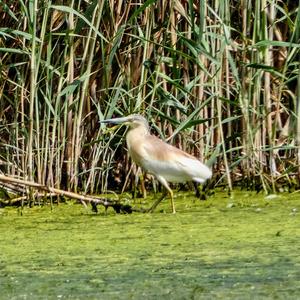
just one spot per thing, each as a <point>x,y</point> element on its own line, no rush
<point>218,79</point>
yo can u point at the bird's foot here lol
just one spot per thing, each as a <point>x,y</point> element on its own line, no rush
<point>149,210</point>
<point>141,210</point>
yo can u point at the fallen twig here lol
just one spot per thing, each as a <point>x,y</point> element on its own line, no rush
<point>117,206</point>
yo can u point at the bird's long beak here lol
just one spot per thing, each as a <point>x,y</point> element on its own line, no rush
<point>115,120</point>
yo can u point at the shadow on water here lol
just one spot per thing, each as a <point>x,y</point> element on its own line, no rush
<point>243,247</point>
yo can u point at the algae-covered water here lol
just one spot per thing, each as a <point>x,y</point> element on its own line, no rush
<point>245,246</point>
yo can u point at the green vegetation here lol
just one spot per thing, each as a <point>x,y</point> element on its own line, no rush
<point>240,247</point>
<point>218,78</point>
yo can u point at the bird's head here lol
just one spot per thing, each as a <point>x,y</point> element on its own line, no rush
<point>133,121</point>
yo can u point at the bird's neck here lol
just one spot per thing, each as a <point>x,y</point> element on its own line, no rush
<point>137,132</point>
<point>136,135</point>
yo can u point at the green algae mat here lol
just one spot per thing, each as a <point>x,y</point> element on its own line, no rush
<point>246,246</point>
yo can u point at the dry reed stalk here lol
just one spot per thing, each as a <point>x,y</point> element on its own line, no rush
<point>222,75</point>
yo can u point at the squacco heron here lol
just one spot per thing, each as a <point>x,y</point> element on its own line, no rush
<point>166,162</point>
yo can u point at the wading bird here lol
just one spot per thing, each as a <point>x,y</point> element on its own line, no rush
<point>164,161</point>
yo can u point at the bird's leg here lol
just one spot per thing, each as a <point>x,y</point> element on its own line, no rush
<point>168,190</point>
<point>172,201</point>
<point>151,209</point>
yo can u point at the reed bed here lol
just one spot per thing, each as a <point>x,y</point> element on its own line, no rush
<point>219,79</point>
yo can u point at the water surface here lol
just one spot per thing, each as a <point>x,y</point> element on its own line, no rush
<point>241,247</point>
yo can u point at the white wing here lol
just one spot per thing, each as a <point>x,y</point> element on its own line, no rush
<point>171,163</point>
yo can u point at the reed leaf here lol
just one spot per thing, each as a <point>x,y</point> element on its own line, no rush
<point>219,79</point>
